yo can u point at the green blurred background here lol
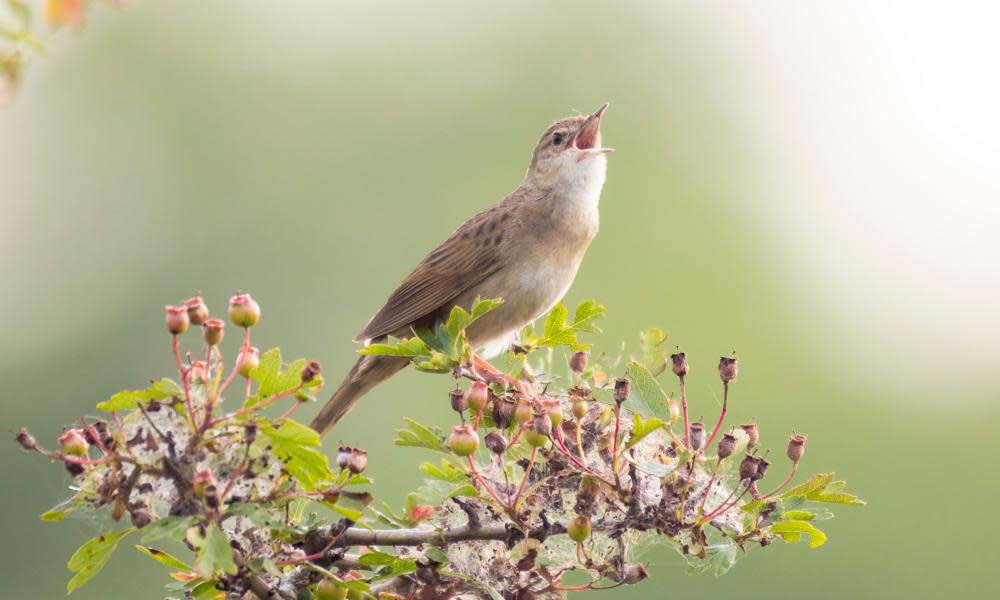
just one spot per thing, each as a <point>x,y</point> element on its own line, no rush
<point>811,185</point>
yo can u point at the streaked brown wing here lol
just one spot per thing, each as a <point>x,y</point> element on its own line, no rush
<point>465,259</point>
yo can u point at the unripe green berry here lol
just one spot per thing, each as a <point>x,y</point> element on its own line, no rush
<point>73,443</point>
<point>578,528</point>
<point>329,590</point>
<point>248,360</point>
<point>243,310</point>
<point>477,396</point>
<point>463,441</point>
<point>553,408</point>
<point>580,407</point>
<point>213,331</point>
<point>177,320</point>
<point>523,412</point>
<point>534,438</point>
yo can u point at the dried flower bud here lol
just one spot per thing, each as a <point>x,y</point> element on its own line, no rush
<point>177,320</point>
<point>522,411</point>
<point>248,360</point>
<point>250,431</point>
<point>553,408</point>
<point>796,448</point>
<point>496,443</point>
<point>357,461</point>
<point>477,396</point>
<point>675,410</point>
<point>343,457</point>
<point>199,371</point>
<point>542,424</point>
<point>26,440</point>
<point>503,412</point>
<point>578,528</point>
<point>213,331</point>
<point>633,573</point>
<point>726,446</point>
<point>680,364</point>
<point>697,435</point>
<point>753,434</point>
<point>748,468</point>
<point>197,311</point>
<point>457,398</point>
<point>203,478</point>
<point>331,495</point>
<point>311,371</point>
<point>140,517</point>
<point>243,310</point>
<point>463,441</point>
<point>622,388</point>
<point>762,466</point>
<point>728,369</point>
<point>580,407</point>
<point>73,443</point>
<point>578,362</point>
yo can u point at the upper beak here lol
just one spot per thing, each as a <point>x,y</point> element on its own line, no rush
<point>589,135</point>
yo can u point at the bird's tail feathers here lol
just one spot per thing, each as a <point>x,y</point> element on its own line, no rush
<point>368,372</point>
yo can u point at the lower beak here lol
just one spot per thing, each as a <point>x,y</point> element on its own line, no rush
<point>588,138</point>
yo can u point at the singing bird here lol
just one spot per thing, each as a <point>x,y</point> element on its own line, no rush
<point>525,249</point>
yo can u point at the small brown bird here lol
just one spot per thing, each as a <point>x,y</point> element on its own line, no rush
<point>525,249</point>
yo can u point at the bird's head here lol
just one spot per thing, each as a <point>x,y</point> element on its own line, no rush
<point>569,150</point>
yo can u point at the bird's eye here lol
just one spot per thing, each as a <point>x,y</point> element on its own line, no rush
<point>557,138</point>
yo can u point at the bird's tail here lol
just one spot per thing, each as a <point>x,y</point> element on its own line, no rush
<point>368,372</point>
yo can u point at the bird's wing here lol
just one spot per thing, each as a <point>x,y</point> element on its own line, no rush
<point>464,260</point>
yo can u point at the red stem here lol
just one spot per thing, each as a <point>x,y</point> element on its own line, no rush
<point>527,472</point>
<point>687,426</point>
<point>184,380</point>
<point>482,482</point>
<point>791,474</point>
<point>236,366</point>
<point>722,416</point>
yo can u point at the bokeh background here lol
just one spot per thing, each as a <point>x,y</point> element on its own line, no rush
<point>814,185</point>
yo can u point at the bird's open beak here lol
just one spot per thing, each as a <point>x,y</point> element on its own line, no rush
<point>588,137</point>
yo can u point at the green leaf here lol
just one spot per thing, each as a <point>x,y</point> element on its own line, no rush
<point>438,555</point>
<point>163,558</point>
<point>411,347</point>
<point>557,331</point>
<point>90,558</point>
<point>641,428</point>
<point>273,380</point>
<point>646,397</point>
<point>214,553</point>
<point>388,565</point>
<point>348,513</point>
<point>420,436</point>
<point>822,488</point>
<point>446,472</point>
<point>171,528</point>
<point>654,354</point>
<point>795,528</point>
<point>797,515</point>
<point>54,515</point>
<point>126,400</point>
<point>297,447</point>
